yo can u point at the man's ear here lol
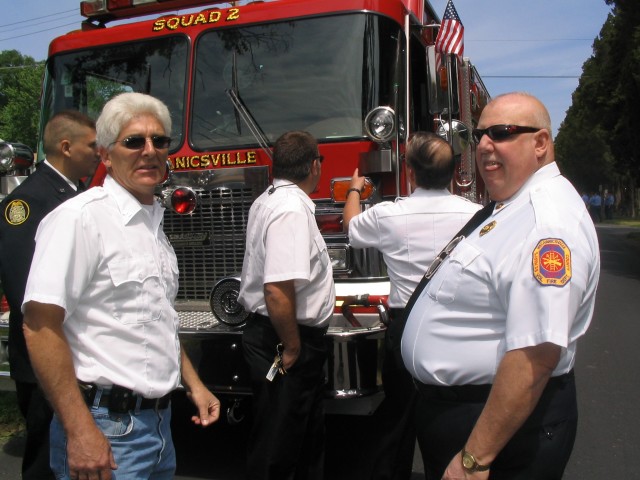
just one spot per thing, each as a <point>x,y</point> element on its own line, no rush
<point>65,148</point>
<point>543,144</point>
<point>105,156</point>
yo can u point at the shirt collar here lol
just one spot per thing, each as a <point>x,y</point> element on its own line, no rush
<point>283,184</point>
<point>128,205</point>
<point>540,176</point>
<point>71,184</point>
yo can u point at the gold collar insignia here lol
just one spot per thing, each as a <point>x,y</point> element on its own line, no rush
<point>487,228</point>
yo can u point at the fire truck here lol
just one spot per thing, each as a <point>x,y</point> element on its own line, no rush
<point>359,75</point>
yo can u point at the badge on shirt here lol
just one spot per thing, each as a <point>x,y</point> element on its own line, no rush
<point>16,212</point>
<point>552,262</point>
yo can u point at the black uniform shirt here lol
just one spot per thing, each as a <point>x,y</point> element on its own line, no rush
<point>21,213</point>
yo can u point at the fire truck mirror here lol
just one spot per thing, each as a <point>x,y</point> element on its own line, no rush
<point>15,156</point>
<point>461,137</point>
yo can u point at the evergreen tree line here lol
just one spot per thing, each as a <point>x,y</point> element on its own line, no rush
<point>596,143</point>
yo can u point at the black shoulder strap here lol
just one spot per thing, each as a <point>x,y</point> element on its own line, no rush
<point>473,223</point>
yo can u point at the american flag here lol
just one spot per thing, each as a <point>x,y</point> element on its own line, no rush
<point>450,37</point>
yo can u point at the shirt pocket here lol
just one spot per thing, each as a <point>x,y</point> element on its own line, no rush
<point>444,285</point>
<point>137,289</point>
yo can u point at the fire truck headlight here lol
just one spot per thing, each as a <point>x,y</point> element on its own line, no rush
<point>224,302</point>
<point>15,156</point>
<point>182,200</point>
<point>339,255</point>
<point>380,124</point>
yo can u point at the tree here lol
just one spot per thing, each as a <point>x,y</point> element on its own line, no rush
<point>596,144</point>
<point>20,87</point>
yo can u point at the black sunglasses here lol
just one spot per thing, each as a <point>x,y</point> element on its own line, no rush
<point>138,142</point>
<point>498,133</point>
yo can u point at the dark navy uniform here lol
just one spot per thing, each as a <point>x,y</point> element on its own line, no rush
<point>22,212</point>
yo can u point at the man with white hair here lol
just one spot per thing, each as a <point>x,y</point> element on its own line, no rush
<point>99,319</point>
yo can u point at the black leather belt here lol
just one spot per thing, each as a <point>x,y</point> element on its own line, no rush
<point>305,330</point>
<point>120,399</point>
<point>477,393</point>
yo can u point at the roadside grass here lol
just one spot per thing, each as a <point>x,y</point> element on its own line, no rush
<point>11,421</point>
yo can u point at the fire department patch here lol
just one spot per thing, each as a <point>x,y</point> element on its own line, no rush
<point>552,262</point>
<point>16,212</point>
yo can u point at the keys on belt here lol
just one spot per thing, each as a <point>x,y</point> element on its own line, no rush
<point>278,366</point>
<point>120,399</point>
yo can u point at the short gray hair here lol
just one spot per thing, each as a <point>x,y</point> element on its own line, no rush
<point>122,108</point>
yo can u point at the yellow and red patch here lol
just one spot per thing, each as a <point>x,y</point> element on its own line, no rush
<point>552,262</point>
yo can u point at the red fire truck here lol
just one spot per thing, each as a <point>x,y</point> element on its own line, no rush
<point>359,75</point>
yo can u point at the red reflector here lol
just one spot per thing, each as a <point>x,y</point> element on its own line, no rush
<point>329,223</point>
<point>183,201</point>
<point>4,305</point>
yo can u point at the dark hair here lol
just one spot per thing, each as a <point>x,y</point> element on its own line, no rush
<point>431,158</point>
<point>63,126</point>
<point>293,154</point>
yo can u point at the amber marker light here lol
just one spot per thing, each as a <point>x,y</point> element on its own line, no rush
<point>339,187</point>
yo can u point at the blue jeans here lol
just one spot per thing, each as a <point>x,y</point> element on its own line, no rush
<point>141,444</point>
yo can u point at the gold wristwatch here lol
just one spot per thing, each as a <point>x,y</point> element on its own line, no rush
<point>470,464</point>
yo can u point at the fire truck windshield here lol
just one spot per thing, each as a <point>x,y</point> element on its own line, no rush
<point>320,74</point>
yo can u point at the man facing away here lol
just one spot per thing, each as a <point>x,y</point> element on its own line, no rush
<point>409,233</point>
<point>69,143</point>
<point>99,320</point>
<point>491,339</point>
<point>287,284</point>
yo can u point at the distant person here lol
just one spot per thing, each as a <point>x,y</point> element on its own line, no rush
<point>287,285</point>
<point>609,204</point>
<point>595,207</point>
<point>100,324</point>
<point>491,338</point>
<point>409,233</point>
<point>69,144</point>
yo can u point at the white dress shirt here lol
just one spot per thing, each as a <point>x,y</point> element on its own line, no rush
<point>105,260</point>
<point>284,243</point>
<point>409,233</point>
<point>491,294</point>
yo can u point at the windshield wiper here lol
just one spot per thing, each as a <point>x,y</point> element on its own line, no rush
<point>243,112</point>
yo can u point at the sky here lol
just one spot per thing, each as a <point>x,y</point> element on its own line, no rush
<point>538,47</point>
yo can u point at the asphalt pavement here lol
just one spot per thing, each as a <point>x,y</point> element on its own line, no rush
<point>607,380</point>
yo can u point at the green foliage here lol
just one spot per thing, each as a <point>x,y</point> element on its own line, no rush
<point>11,421</point>
<point>20,86</point>
<point>596,144</point>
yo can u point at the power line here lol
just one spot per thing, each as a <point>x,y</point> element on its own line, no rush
<point>30,19</point>
<point>39,31</point>
<point>35,24</point>
<point>530,76</point>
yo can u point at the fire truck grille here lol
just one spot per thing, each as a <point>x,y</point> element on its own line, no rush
<point>210,242</point>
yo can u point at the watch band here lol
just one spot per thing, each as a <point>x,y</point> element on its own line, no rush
<point>470,464</point>
<point>354,190</point>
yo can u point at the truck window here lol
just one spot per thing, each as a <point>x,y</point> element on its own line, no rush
<point>86,79</point>
<point>316,74</point>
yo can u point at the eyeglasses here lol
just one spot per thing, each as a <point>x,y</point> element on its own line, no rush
<point>138,142</point>
<point>435,265</point>
<point>320,158</point>
<point>497,133</point>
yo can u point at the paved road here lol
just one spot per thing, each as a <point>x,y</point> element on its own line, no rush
<point>608,389</point>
